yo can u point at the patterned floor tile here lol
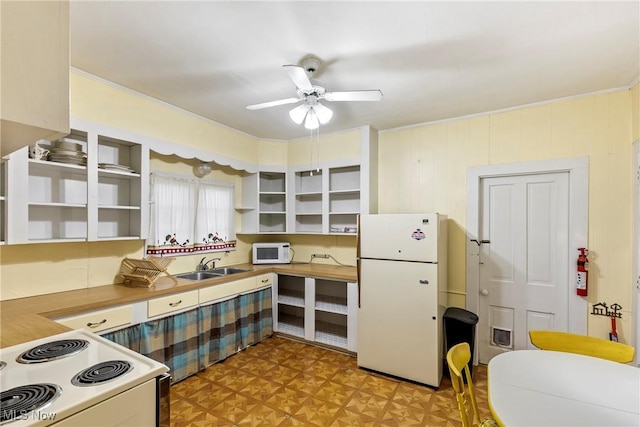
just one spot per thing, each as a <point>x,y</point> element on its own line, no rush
<point>281,382</point>
<point>317,412</point>
<point>366,405</point>
<point>235,408</point>
<point>380,386</point>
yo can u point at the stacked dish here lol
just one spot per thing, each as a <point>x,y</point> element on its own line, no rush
<point>67,150</point>
<point>118,168</point>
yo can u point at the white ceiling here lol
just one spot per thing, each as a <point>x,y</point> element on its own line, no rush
<point>431,60</point>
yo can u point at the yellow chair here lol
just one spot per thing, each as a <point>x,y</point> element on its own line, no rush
<point>458,358</point>
<point>582,344</point>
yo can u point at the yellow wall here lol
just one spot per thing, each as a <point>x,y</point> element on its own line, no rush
<point>99,102</point>
<point>427,162</point>
<point>430,164</point>
<point>325,148</point>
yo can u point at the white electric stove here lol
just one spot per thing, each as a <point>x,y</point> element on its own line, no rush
<point>78,379</point>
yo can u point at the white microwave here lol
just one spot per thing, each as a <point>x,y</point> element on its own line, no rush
<point>271,253</point>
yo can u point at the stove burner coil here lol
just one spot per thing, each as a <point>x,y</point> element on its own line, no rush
<point>19,401</point>
<point>101,372</point>
<point>53,350</point>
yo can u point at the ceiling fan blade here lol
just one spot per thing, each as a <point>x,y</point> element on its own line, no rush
<point>299,77</point>
<point>355,95</point>
<point>273,103</point>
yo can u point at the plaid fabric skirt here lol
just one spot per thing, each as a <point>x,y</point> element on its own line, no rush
<point>190,341</point>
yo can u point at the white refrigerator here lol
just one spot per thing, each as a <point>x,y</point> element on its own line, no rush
<point>402,278</point>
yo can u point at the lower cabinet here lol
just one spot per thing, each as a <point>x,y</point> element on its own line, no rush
<point>317,310</point>
<point>229,326</point>
<point>192,340</point>
<point>173,340</point>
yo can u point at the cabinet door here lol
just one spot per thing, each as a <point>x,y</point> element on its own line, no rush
<point>35,71</point>
<point>226,290</point>
<point>100,320</point>
<point>171,303</point>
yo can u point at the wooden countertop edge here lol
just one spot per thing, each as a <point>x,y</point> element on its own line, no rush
<point>30,318</point>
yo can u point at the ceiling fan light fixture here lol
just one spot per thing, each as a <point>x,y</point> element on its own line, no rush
<point>298,113</point>
<point>202,169</point>
<point>312,120</point>
<point>324,113</point>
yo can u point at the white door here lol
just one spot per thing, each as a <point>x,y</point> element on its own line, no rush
<point>523,267</point>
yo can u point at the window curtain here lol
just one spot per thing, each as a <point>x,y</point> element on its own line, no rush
<point>172,213</point>
<point>190,215</point>
<point>214,215</point>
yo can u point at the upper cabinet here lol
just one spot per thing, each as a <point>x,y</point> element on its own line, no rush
<point>104,198</point>
<point>34,72</point>
<point>320,197</point>
<point>264,202</point>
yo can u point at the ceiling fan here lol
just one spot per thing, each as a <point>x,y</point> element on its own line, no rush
<point>310,92</point>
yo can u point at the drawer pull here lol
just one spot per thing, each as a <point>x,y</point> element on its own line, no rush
<point>424,282</point>
<point>175,304</point>
<point>96,324</point>
<point>265,280</point>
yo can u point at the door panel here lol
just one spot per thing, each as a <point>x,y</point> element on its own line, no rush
<point>523,270</point>
<point>398,319</point>
<point>403,237</point>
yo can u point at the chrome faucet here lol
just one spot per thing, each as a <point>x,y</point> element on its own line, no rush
<point>202,265</point>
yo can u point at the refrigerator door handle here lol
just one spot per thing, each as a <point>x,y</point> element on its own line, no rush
<point>358,256</point>
<point>358,283</point>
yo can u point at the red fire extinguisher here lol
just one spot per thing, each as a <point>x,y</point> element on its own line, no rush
<point>582,275</point>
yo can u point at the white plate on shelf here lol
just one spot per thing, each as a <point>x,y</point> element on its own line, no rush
<point>114,167</point>
<point>68,144</point>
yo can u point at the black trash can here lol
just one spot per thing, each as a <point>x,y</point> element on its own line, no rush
<point>459,326</point>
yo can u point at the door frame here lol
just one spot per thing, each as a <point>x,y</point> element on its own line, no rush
<point>578,169</point>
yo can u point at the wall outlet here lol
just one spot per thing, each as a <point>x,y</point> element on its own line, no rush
<point>320,256</point>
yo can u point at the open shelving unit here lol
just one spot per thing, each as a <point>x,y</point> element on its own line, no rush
<point>290,315</point>
<point>326,200</point>
<point>344,199</point>
<point>119,191</point>
<point>317,310</point>
<point>272,202</point>
<point>63,202</point>
<point>308,201</point>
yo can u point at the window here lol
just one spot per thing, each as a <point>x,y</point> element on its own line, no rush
<point>190,215</point>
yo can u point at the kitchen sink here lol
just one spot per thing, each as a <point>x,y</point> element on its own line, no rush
<point>199,275</point>
<point>225,271</point>
<point>210,274</point>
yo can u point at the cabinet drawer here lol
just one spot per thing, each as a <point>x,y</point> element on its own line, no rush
<point>225,290</point>
<point>97,321</point>
<point>171,303</point>
<point>264,280</point>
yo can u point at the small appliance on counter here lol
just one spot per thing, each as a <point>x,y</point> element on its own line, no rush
<point>79,378</point>
<point>271,253</point>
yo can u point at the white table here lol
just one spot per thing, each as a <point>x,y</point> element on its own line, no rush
<point>549,388</point>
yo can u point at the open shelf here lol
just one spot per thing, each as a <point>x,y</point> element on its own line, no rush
<point>54,201</point>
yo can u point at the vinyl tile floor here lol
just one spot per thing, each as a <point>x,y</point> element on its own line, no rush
<point>281,382</point>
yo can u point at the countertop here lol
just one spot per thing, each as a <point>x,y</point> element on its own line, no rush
<point>27,319</point>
